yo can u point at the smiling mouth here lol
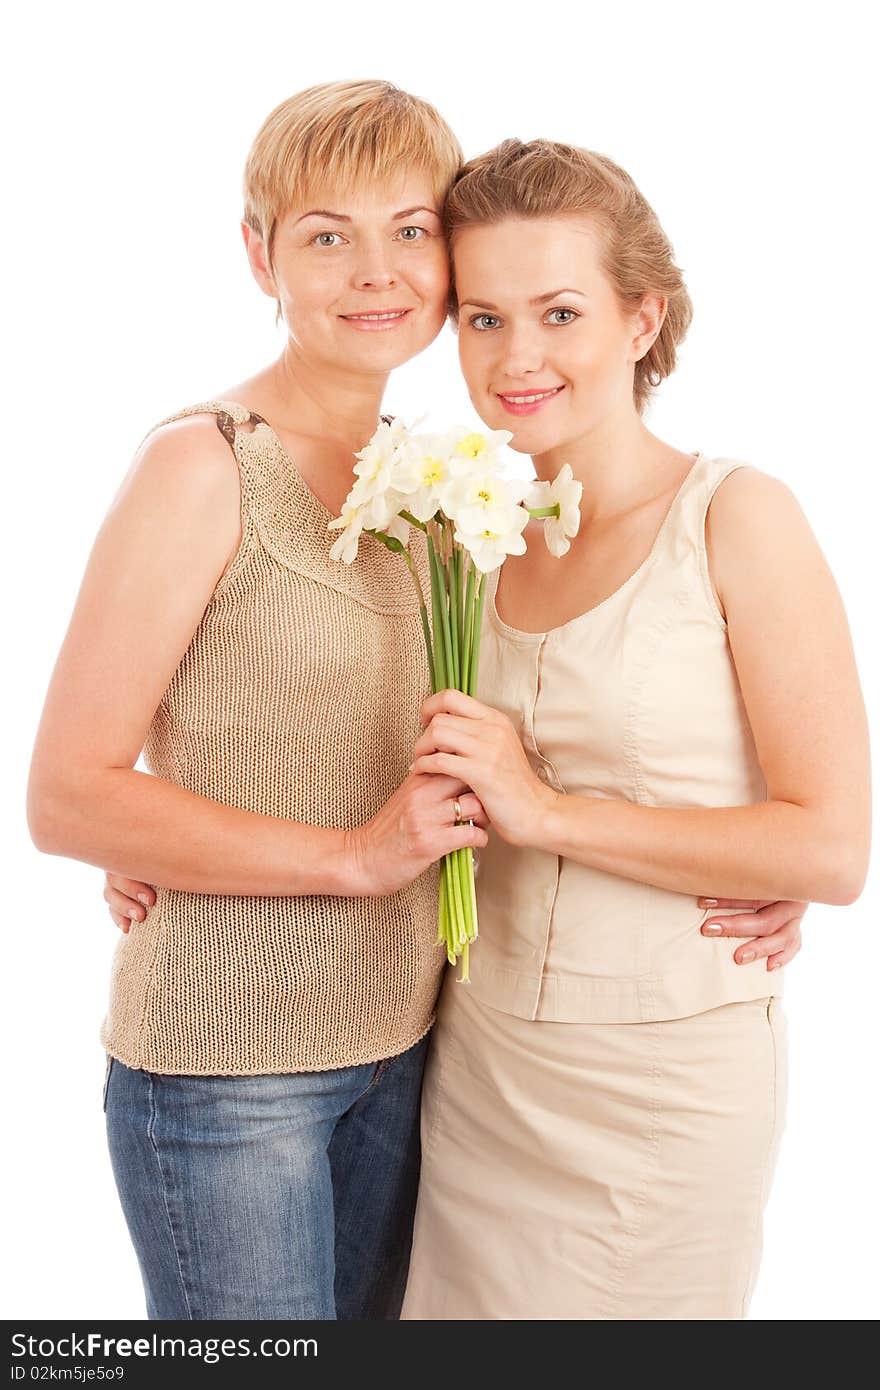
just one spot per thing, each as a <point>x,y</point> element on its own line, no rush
<point>524,403</point>
<point>379,319</point>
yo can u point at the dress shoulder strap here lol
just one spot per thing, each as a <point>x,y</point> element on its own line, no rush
<point>229,414</point>
<point>684,539</point>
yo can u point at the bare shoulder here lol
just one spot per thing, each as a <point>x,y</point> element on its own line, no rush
<point>188,456</point>
<point>749,500</point>
<point>750,507</point>
<point>757,536</point>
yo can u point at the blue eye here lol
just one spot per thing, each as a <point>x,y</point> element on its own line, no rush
<point>557,322</point>
<point>412,233</point>
<point>484,322</point>
<point>327,239</point>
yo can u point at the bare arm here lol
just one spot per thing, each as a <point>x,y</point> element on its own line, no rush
<point>165,543</point>
<point>790,641</point>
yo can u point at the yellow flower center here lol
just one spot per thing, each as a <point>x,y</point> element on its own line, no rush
<point>471,447</point>
<point>432,471</point>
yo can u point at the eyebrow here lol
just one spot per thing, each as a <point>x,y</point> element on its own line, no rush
<point>539,299</point>
<point>341,217</point>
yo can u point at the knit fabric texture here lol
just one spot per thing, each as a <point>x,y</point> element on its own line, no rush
<point>298,697</point>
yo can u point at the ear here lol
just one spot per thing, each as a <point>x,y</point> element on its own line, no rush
<point>648,321</point>
<point>258,260</point>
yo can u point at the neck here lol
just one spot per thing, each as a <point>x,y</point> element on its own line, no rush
<point>321,399</point>
<point>617,462</point>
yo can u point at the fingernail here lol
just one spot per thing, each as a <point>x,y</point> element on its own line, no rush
<point>709,902</point>
<point>133,914</point>
<point>747,956</point>
<point>773,964</point>
<point>142,898</point>
<point>712,926</point>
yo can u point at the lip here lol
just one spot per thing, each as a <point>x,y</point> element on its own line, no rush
<point>377,320</point>
<point>528,402</point>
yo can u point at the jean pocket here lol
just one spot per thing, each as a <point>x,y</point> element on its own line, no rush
<point>107,1072</point>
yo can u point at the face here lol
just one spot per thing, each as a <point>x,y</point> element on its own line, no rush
<point>362,277</point>
<point>546,348</point>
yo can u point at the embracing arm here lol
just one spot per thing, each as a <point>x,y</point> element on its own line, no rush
<point>790,642</point>
<point>156,561</point>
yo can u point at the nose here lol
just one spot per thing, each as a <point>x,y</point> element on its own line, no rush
<point>375,269</point>
<point>524,353</point>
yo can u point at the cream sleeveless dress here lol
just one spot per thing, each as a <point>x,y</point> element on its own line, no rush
<point>603,1103</point>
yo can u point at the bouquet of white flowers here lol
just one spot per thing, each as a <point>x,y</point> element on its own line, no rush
<point>452,486</point>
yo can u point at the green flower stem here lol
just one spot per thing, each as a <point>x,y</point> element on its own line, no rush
<point>455,616</point>
<point>413,521</point>
<point>441,908</point>
<point>478,623</point>
<point>468,630</point>
<point>465,962</point>
<point>423,611</point>
<point>541,511</point>
<point>437,606</point>
<point>448,663</point>
<point>457,596</point>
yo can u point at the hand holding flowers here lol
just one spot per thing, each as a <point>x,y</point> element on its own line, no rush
<point>479,745</point>
<point>412,830</point>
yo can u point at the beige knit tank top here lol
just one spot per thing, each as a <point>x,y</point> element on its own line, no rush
<point>635,700</point>
<point>298,697</point>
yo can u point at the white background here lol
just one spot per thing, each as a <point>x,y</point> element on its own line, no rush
<point>127,295</point>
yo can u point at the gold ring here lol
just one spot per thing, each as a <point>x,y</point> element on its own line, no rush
<point>459,819</point>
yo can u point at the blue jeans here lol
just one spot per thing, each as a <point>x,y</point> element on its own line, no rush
<point>288,1196</point>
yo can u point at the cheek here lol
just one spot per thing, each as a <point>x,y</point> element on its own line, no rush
<point>473,356</point>
<point>430,277</point>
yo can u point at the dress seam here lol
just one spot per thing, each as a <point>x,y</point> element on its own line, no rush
<point>759,1203</point>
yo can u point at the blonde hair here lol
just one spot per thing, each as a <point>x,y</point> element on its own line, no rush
<point>545,179</point>
<point>344,134</point>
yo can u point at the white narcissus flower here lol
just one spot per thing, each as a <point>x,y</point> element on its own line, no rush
<point>564,492</point>
<point>345,547</point>
<point>488,549</point>
<point>478,445</point>
<point>422,469</point>
<point>484,500</point>
<point>375,462</point>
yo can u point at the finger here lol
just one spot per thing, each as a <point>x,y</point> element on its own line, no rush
<point>448,763</point>
<point>760,923</point>
<point>453,702</point>
<point>133,888</point>
<point>764,946</point>
<point>123,923</point>
<point>443,788</point>
<point>469,805</point>
<point>746,904</point>
<point>462,836</point>
<point>775,962</point>
<point>121,906</point>
<point>447,737</point>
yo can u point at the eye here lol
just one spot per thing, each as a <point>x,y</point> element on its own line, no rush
<point>327,239</point>
<point>484,322</point>
<point>557,317</point>
<point>413,233</point>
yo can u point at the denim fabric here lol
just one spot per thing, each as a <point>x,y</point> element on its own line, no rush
<point>277,1196</point>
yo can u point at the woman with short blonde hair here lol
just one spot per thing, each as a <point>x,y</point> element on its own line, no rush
<point>264,1058</point>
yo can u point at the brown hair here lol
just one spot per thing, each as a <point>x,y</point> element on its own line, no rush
<point>346,134</point>
<point>545,179</point>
